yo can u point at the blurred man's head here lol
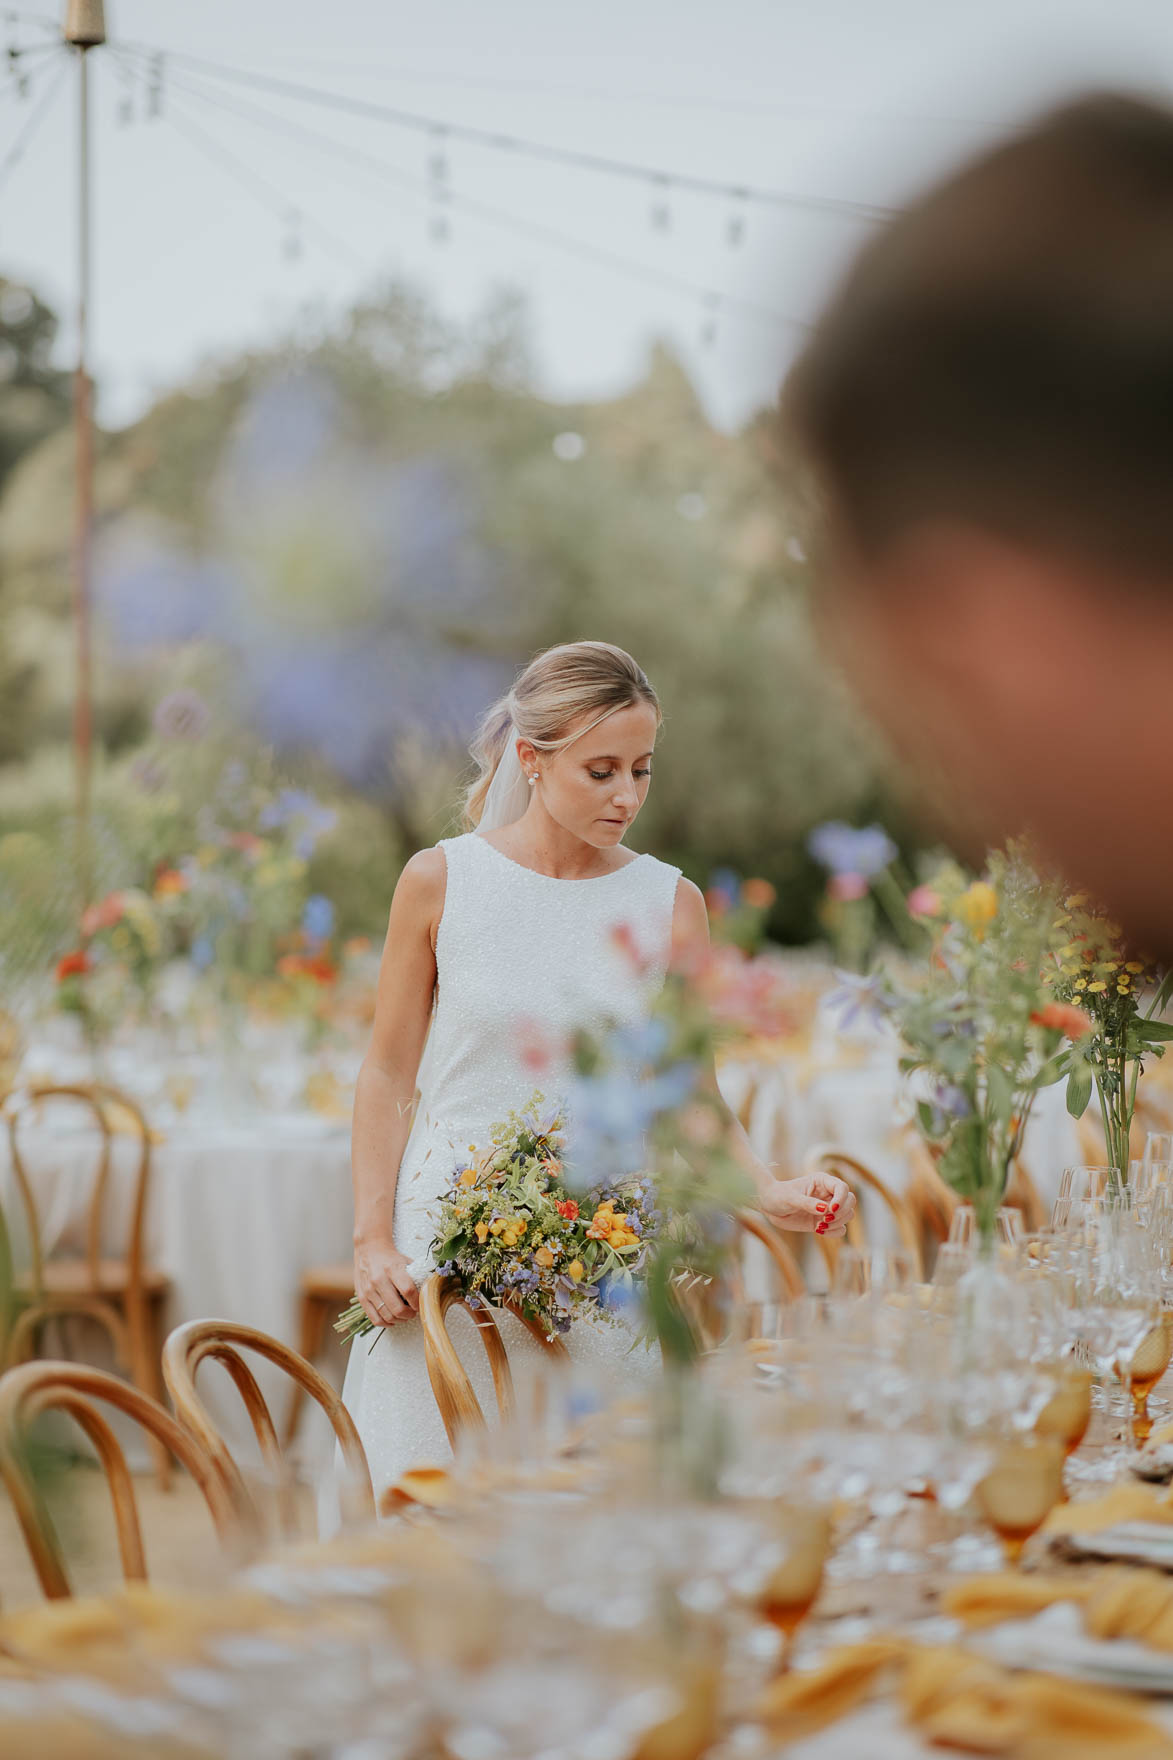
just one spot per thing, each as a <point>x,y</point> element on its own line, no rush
<point>988,403</point>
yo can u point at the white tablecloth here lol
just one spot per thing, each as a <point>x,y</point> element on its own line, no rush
<point>236,1214</point>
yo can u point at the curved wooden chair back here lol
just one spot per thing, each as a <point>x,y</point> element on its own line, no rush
<point>856,1174</point>
<point>102,1103</point>
<point>222,1341</point>
<point>33,1388</point>
<point>930,1201</point>
<point>717,1310</point>
<point>459,1406</point>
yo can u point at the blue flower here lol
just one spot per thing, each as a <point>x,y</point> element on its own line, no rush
<point>727,883</point>
<point>203,953</point>
<point>317,918</point>
<point>846,849</point>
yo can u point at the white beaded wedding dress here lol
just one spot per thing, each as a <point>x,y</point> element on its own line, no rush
<point>521,957</point>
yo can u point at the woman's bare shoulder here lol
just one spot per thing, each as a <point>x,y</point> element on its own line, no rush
<point>422,882</point>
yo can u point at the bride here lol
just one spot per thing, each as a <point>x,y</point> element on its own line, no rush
<point>500,943</point>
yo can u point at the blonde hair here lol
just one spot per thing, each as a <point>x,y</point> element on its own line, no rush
<point>556,690</point>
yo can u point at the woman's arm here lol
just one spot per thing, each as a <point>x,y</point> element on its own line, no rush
<point>815,1203</point>
<point>384,1099</point>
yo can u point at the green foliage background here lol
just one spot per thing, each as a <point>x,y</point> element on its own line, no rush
<point>759,744</point>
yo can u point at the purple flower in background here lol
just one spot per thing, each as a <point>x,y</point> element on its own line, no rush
<point>847,849</point>
<point>147,774</point>
<point>317,918</point>
<point>858,1000</point>
<point>297,807</point>
<point>182,714</point>
<point>948,1104</point>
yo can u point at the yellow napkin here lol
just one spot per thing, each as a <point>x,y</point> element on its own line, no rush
<point>956,1700</point>
<point>998,1595</point>
<point>959,1701</point>
<point>1124,1503</point>
<point>798,1704</point>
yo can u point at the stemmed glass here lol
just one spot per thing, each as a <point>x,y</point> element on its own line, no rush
<point>1081,1190</point>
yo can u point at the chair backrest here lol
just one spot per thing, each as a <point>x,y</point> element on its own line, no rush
<point>222,1340</point>
<point>459,1406</point>
<point>107,1107</point>
<point>719,1308</point>
<point>825,1158</point>
<point>73,1388</point>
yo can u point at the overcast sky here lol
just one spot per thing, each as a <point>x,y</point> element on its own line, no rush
<point>855,100</point>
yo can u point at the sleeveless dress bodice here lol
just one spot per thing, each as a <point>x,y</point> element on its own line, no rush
<point>522,960</point>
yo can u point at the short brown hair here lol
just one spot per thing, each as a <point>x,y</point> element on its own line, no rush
<point>1002,352</point>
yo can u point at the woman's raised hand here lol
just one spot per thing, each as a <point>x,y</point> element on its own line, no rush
<point>816,1204</point>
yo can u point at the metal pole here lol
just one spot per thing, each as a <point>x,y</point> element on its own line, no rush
<point>85,28</point>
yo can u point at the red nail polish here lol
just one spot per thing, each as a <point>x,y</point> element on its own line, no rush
<point>820,1208</point>
<point>834,1207</point>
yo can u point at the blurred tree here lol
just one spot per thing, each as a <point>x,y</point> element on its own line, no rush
<point>34,394</point>
<point>363,530</point>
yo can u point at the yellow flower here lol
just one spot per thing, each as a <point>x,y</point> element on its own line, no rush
<point>1080,984</point>
<point>622,1237</point>
<point>978,905</point>
<point>1094,989</point>
<point>544,1257</point>
<point>1134,966</point>
<point>482,1230</point>
<point>497,1227</point>
<point>574,1270</point>
<point>469,1177</point>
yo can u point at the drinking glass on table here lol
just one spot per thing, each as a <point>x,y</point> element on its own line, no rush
<point>964,1231</point>
<point>1080,1192</point>
<point>1158,1149</point>
<point>862,1271</point>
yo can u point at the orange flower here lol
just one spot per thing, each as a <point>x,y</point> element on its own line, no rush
<point>602,1223</point>
<point>758,893</point>
<point>568,1208</point>
<point>72,965</point>
<point>168,882</point>
<point>544,1257</point>
<point>1062,1017</point>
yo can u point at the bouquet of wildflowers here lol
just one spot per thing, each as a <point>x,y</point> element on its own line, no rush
<point>516,1235</point>
<point>979,1025</point>
<point>1091,970</point>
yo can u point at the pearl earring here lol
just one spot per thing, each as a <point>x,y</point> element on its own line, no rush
<point>532,780</point>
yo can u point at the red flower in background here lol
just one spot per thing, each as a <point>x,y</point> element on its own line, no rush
<point>72,965</point>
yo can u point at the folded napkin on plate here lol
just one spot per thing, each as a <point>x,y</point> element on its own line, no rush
<point>805,1700</point>
<point>956,1700</point>
<point>1000,1595</point>
<point>1124,1503</point>
<point>1116,1602</point>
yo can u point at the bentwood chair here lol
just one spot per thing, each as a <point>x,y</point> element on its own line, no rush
<point>123,1293</point>
<point>73,1388</point>
<point>222,1341</point>
<point>718,1309</point>
<point>854,1173</point>
<point>326,1290</point>
<point>456,1398</point>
